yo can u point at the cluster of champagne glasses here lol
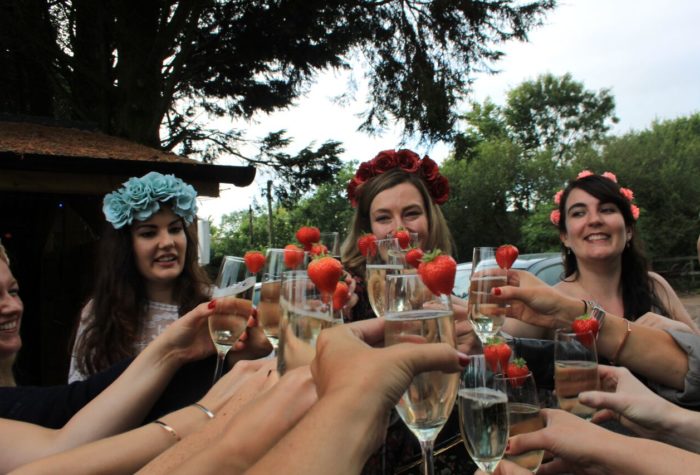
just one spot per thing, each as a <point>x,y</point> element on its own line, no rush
<point>493,406</point>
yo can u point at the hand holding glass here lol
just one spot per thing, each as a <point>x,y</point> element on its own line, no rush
<point>415,315</point>
<point>575,370</point>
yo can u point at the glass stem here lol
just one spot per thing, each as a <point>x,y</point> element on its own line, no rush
<point>426,447</point>
<point>221,356</point>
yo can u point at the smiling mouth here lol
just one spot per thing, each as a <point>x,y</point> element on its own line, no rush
<point>166,259</point>
<point>9,326</point>
<point>597,237</point>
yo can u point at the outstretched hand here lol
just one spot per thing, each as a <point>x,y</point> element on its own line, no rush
<point>624,397</point>
<point>188,336</point>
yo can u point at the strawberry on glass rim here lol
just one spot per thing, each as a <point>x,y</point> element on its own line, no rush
<point>325,273</point>
<point>586,328</point>
<point>403,237</point>
<point>437,271</point>
<point>308,236</point>
<point>506,256</point>
<point>293,256</point>
<point>517,372</point>
<point>367,245</point>
<point>414,257</point>
<point>497,353</point>
<point>254,261</point>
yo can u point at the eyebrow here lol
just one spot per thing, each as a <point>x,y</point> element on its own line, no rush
<point>405,208</point>
<point>147,225</point>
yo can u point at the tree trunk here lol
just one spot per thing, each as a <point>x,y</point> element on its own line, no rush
<point>269,213</point>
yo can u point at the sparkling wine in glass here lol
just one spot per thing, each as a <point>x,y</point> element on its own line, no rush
<point>234,287</point>
<point>483,414</point>
<point>524,416</point>
<point>269,309</point>
<point>331,240</point>
<point>575,370</point>
<point>414,314</point>
<point>305,312</point>
<point>388,259</point>
<point>487,316</point>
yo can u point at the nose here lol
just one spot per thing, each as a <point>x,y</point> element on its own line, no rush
<point>594,218</point>
<point>10,305</point>
<point>165,240</point>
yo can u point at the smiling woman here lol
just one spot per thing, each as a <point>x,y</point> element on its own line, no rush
<point>11,309</point>
<point>147,272</point>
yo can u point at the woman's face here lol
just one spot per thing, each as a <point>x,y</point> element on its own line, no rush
<point>11,309</point>
<point>160,246</point>
<point>399,206</point>
<point>594,230</point>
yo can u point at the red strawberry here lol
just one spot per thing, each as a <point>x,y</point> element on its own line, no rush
<point>367,244</point>
<point>325,272</point>
<point>318,249</point>
<point>584,324</point>
<point>497,352</point>
<point>341,295</point>
<point>307,236</point>
<point>403,237</point>
<point>506,255</point>
<point>254,261</point>
<point>414,256</point>
<point>293,256</point>
<point>437,271</point>
<point>517,370</point>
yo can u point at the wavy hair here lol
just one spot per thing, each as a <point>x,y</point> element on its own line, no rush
<point>119,300</point>
<point>638,294</point>
<point>439,235</point>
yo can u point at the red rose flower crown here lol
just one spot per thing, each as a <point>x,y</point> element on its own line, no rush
<point>438,186</point>
<point>555,216</point>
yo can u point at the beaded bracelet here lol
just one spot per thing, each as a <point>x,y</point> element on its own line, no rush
<point>623,342</point>
<point>206,411</point>
<point>168,429</point>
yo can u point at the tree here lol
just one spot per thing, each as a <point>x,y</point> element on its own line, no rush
<point>157,72</point>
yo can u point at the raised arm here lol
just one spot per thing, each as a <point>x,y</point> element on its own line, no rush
<point>122,405</point>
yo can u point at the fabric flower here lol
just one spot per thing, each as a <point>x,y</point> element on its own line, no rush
<point>635,212</point>
<point>627,193</point>
<point>429,169</point>
<point>554,217</point>
<point>384,162</point>
<point>440,190</point>
<point>557,197</point>
<point>364,172</point>
<point>584,174</point>
<point>610,176</point>
<point>409,161</point>
<point>116,210</point>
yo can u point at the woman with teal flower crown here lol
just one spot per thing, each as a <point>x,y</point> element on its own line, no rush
<point>147,272</point>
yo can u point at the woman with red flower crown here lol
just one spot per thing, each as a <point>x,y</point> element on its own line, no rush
<point>398,189</point>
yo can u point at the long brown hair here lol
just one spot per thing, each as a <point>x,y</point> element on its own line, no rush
<point>439,235</point>
<point>119,300</point>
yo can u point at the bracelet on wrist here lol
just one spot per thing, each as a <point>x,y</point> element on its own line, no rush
<point>592,308</point>
<point>206,411</point>
<point>168,429</point>
<point>622,344</point>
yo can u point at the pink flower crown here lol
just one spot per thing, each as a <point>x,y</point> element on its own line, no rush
<point>555,216</point>
<point>438,186</point>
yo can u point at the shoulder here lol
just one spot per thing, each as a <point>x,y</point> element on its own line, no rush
<point>660,284</point>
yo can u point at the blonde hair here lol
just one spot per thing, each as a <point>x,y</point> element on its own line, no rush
<point>439,235</point>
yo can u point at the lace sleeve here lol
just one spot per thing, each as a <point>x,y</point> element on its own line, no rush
<point>73,373</point>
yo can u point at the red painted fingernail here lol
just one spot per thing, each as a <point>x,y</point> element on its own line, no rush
<point>508,447</point>
<point>212,304</point>
<point>463,359</point>
<point>497,291</point>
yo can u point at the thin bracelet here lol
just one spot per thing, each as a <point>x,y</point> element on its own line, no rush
<point>622,342</point>
<point>168,429</point>
<point>206,411</point>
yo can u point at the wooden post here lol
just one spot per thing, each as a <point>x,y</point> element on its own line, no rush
<point>269,213</point>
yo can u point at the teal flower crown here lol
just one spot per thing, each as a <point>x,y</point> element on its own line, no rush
<point>140,198</point>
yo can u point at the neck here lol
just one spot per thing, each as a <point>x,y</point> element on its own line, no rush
<point>160,292</point>
<point>7,378</point>
<point>602,282</point>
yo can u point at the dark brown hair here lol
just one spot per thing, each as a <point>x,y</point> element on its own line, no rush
<point>119,300</point>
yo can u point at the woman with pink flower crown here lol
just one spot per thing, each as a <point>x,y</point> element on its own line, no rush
<point>147,273</point>
<point>604,265</point>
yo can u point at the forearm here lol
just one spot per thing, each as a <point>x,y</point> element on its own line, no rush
<point>682,429</point>
<point>647,457</point>
<point>330,439</point>
<point>124,403</point>
<point>124,453</point>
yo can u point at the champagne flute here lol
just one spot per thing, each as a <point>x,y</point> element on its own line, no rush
<point>388,259</point>
<point>414,314</point>
<point>305,312</point>
<point>575,370</point>
<point>269,310</point>
<point>234,287</point>
<point>486,315</point>
<point>524,416</point>
<point>483,414</point>
<point>332,242</point>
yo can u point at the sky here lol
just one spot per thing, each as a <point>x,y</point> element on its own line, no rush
<point>646,52</point>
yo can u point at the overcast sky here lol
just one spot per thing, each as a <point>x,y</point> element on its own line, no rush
<point>646,52</point>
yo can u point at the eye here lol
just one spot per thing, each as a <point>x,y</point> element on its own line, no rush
<point>147,234</point>
<point>577,213</point>
<point>177,229</point>
<point>382,218</point>
<point>13,291</point>
<point>608,210</point>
